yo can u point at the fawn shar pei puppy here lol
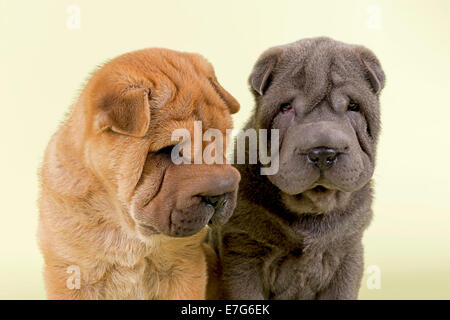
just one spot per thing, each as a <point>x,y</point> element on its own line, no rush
<point>118,219</point>
<point>297,234</point>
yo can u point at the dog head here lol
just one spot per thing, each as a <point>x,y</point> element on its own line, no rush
<point>132,105</point>
<point>322,95</point>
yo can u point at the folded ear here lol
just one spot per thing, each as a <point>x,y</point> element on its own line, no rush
<point>126,113</point>
<point>262,71</point>
<point>229,100</point>
<point>372,68</point>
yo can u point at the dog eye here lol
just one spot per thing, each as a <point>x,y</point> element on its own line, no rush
<point>166,150</point>
<point>285,107</point>
<point>353,106</point>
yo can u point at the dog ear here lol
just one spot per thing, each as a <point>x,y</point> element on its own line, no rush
<point>262,71</point>
<point>127,113</point>
<point>229,100</point>
<point>372,68</point>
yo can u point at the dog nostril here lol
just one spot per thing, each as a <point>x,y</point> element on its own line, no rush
<point>217,202</point>
<point>322,157</point>
<point>331,159</point>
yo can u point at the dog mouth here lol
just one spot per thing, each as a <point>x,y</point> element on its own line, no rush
<point>317,191</point>
<point>317,199</point>
<point>213,211</point>
<point>320,189</point>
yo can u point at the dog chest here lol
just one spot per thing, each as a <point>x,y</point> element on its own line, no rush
<point>300,276</point>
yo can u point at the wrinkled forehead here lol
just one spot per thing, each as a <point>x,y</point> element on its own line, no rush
<point>315,69</point>
<point>180,85</point>
<point>148,63</point>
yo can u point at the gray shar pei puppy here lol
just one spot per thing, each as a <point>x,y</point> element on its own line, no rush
<point>297,234</point>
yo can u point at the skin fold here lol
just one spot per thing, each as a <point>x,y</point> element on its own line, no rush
<point>113,205</point>
<point>297,234</point>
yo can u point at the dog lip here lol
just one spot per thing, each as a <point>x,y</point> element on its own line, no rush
<point>319,188</point>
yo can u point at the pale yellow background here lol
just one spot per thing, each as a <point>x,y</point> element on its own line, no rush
<point>43,65</point>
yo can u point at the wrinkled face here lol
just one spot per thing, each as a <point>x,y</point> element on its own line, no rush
<point>323,97</point>
<point>133,104</point>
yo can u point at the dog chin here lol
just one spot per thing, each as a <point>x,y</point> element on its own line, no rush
<point>316,200</point>
<point>185,222</point>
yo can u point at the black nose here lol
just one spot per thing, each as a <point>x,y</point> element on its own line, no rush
<point>322,157</point>
<point>217,202</point>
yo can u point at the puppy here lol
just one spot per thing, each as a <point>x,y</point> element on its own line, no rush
<point>118,219</point>
<point>297,234</point>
